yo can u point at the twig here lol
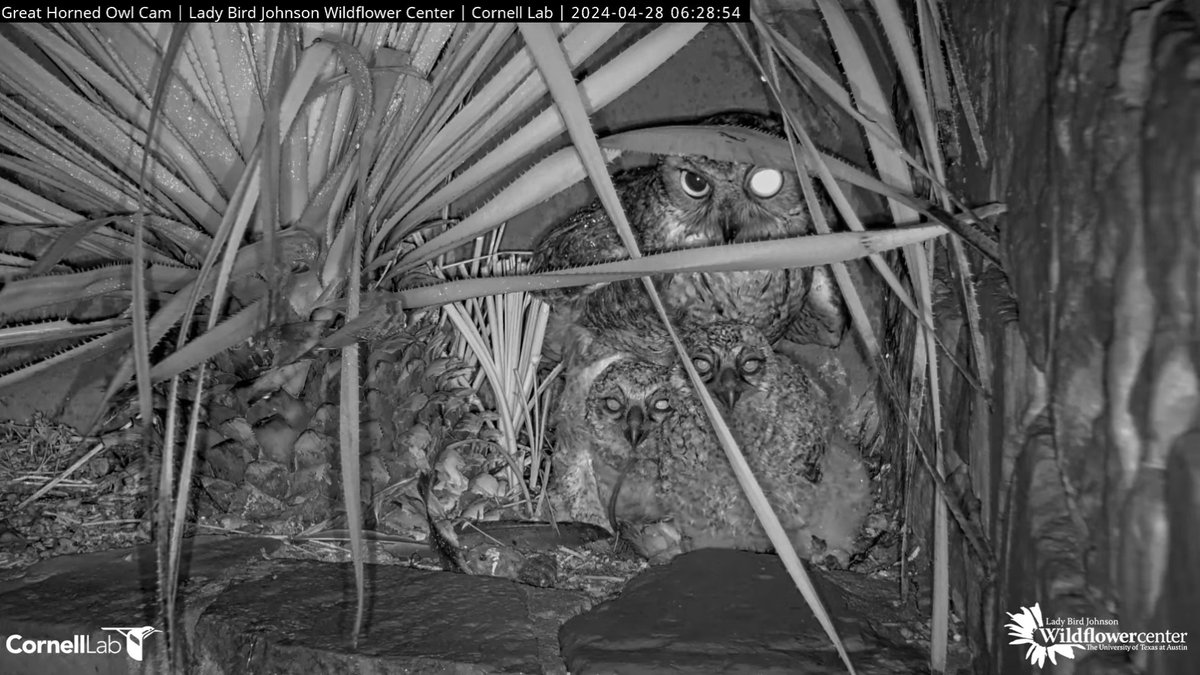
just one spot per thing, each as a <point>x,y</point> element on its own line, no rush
<point>61,477</point>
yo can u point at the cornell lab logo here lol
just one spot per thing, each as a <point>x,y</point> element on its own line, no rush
<point>83,644</point>
<point>1029,629</point>
<point>133,638</point>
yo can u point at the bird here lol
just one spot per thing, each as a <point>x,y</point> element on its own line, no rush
<point>682,202</point>
<point>760,390</point>
<point>815,480</point>
<point>597,463</point>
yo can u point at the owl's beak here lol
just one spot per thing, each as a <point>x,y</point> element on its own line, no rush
<point>731,227</point>
<point>727,387</point>
<point>635,429</point>
<point>725,210</point>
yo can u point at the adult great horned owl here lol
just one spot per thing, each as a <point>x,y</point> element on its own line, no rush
<point>685,202</point>
<point>816,481</point>
<point>598,465</point>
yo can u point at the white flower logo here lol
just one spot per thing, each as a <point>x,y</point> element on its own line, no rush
<point>1028,623</point>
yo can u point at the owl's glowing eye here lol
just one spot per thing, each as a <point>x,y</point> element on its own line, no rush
<point>751,366</point>
<point>662,405</point>
<point>702,365</point>
<point>613,405</point>
<point>766,182</point>
<point>695,185</point>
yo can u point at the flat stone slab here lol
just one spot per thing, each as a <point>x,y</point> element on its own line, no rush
<point>721,611</point>
<point>705,612</point>
<point>249,614</point>
<point>417,621</point>
<point>60,598</point>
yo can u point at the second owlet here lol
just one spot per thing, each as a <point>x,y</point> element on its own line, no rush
<point>769,402</point>
<point>601,447</point>
<point>815,481</point>
<point>686,202</point>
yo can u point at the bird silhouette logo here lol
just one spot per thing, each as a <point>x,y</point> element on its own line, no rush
<point>1029,629</point>
<point>134,636</point>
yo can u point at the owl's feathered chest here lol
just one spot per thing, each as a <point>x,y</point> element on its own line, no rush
<point>765,298</point>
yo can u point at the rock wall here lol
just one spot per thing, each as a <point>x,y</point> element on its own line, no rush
<point>1090,110</point>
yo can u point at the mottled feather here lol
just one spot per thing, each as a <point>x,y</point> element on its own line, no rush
<point>814,479</point>
<point>679,203</point>
<point>603,439</point>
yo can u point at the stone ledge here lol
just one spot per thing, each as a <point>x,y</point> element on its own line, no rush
<point>247,614</point>
<point>722,611</point>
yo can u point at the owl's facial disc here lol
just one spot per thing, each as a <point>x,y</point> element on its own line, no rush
<point>765,183</point>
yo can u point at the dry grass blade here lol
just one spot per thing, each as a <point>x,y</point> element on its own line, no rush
<point>730,145</point>
<point>909,65</point>
<point>184,303</point>
<point>55,330</point>
<point>508,407</point>
<point>939,629</point>
<point>112,341</point>
<point>169,532</point>
<point>546,179</point>
<point>348,435</point>
<point>850,294</point>
<point>94,125</point>
<point>960,82</point>
<point>934,34</point>
<point>879,130</point>
<point>845,283</point>
<point>507,95</point>
<point>350,380</point>
<point>19,296</point>
<point>507,331</point>
<point>775,254</point>
<point>601,87</point>
<point>64,475</point>
<point>892,168</point>
<point>167,559</point>
<point>19,205</point>
<point>548,56</point>
<point>225,335</point>
<point>825,169</point>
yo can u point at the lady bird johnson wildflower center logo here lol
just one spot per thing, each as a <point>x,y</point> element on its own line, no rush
<point>1051,638</point>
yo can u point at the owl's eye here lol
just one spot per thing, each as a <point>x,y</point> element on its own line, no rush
<point>613,405</point>
<point>702,365</point>
<point>662,405</point>
<point>766,182</point>
<point>695,185</point>
<point>751,366</point>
